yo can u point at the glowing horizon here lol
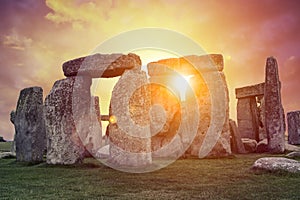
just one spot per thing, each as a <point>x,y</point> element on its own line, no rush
<point>52,32</point>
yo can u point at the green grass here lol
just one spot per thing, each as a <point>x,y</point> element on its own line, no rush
<point>5,146</point>
<point>229,178</point>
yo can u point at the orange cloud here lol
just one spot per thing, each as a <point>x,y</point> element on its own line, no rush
<point>51,32</point>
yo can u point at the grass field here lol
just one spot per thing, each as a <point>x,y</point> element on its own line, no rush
<point>229,178</point>
<point>5,146</point>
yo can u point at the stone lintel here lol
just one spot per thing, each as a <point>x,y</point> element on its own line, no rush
<point>250,91</point>
<point>185,65</point>
<point>101,65</point>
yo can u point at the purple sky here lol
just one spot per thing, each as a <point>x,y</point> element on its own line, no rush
<point>37,37</point>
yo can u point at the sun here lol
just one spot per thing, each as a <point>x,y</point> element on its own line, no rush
<point>180,84</point>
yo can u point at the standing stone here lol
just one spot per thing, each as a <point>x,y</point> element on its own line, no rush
<point>67,113</point>
<point>30,126</point>
<point>165,119</point>
<point>129,129</point>
<point>247,117</point>
<point>293,119</point>
<point>207,103</point>
<point>274,114</point>
<point>261,117</point>
<point>93,141</point>
<point>12,116</point>
<point>12,120</point>
<point>237,145</point>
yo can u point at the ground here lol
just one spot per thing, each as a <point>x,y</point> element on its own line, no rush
<point>228,178</point>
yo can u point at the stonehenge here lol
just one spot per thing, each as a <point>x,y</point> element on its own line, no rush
<point>178,108</point>
<point>72,115</point>
<point>260,113</point>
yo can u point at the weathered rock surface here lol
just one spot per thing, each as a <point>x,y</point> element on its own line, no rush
<point>249,144</point>
<point>293,119</point>
<point>93,140</point>
<point>103,152</point>
<point>247,114</point>
<point>262,146</point>
<point>165,119</point>
<point>12,120</point>
<point>274,114</point>
<point>12,116</point>
<point>294,154</point>
<point>237,145</point>
<point>4,155</point>
<point>30,126</point>
<point>250,91</point>
<point>67,115</point>
<point>290,147</point>
<point>277,163</point>
<point>184,64</point>
<point>209,90</point>
<point>173,150</point>
<point>129,133</point>
<point>101,65</point>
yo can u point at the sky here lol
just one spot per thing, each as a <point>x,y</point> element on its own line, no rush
<point>36,37</point>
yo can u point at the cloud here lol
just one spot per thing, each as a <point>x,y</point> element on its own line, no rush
<point>37,37</point>
<point>15,41</point>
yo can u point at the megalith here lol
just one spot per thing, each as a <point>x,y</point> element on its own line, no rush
<point>12,120</point>
<point>202,114</point>
<point>29,126</point>
<point>68,97</point>
<point>129,130</point>
<point>293,119</point>
<point>250,111</point>
<point>237,145</point>
<point>93,140</point>
<point>274,114</point>
<point>73,120</point>
<point>101,65</point>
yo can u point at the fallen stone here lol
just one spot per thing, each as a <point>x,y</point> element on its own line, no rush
<point>262,146</point>
<point>294,154</point>
<point>293,119</point>
<point>274,114</point>
<point>30,134</point>
<point>249,144</point>
<point>273,164</point>
<point>4,155</point>
<point>290,147</point>
<point>237,144</point>
<point>103,152</point>
<point>129,129</point>
<point>250,91</point>
<point>67,120</point>
<point>101,65</point>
